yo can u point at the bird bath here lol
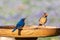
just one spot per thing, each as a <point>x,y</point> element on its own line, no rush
<point>29,31</point>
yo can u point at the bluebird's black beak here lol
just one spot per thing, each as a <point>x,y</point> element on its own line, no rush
<point>24,19</point>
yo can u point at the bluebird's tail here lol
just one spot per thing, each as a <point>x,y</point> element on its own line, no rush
<point>14,29</point>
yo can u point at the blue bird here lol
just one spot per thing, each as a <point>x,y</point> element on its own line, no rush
<point>20,24</point>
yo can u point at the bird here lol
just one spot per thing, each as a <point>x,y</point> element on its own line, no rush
<point>20,24</point>
<point>43,19</point>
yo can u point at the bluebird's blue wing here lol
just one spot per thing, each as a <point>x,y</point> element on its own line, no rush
<point>17,26</point>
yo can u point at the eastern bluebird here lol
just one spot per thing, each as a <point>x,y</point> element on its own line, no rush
<point>20,24</point>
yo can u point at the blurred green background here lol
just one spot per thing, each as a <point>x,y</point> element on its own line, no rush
<point>11,11</point>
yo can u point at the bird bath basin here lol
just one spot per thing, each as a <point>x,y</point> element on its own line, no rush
<point>29,31</point>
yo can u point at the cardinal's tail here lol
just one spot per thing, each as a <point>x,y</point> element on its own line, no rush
<point>40,24</point>
<point>14,29</point>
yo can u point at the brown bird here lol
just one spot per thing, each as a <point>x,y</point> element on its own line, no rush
<point>43,19</point>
